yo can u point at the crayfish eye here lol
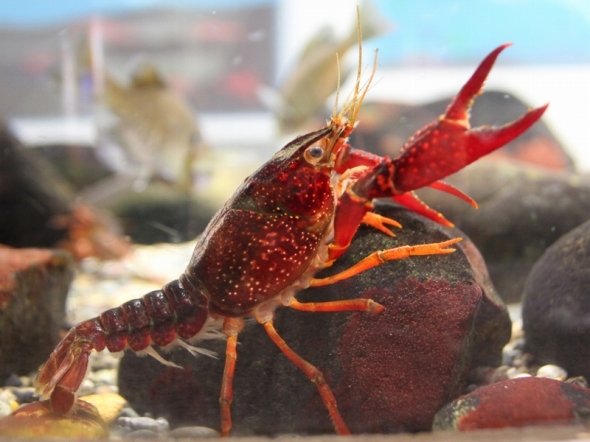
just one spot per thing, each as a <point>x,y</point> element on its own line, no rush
<point>314,154</point>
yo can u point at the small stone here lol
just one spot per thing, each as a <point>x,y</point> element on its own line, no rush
<point>5,408</point>
<point>26,381</point>
<point>552,371</point>
<point>579,381</point>
<point>158,425</point>
<point>514,372</point>
<point>193,432</point>
<point>143,434</point>
<point>87,387</point>
<point>108,405</point>
<point>25,395</point>
<point>107,376</point>
<point>7,395</point>
<point>13,381</point>
<point>128,412</point>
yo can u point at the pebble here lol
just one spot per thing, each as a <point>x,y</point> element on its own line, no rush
<point>128,412</point>
<point>5,408</point>
<point>8,402</point>
<point>25,395</point>
<point>158,425</point>
<point>86,387</point>
<point>106,376</point>
<point>552,371</point>
<point>13,381</point>
<point>193,432</point>
<point>143,434</point>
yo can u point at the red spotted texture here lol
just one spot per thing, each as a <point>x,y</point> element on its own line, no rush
<point>288,184</point>
<point>416,350</point>
<point>266,236</point>
<point>516,403</point>
<point>294,188</point>
<point>250,257</point>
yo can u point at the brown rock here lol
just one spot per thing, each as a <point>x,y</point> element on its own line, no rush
<point>555,308</point>
<point>33,288</point>
<point>516,403</point>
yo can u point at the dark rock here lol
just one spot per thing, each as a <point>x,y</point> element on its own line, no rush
<point>556,304</point>
<point>77,164</point>
<point>390,372</point>
<point>31,196</point>
<point>516,403</point>
<point>39,209</point>
<point>33,288</point>
<point>523,210</point>
<point>160,214</point>
<point>385,127</point>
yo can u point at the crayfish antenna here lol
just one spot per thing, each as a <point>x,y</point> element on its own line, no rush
<point>345,119</point>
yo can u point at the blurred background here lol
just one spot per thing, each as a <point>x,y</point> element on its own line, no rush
<point>219,55</point>
<point>187,97</point>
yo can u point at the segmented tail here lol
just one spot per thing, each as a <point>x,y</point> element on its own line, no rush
<point>177,312</point>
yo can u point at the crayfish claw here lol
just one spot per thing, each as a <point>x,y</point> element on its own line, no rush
<point>411,201</point>
<point>483,140</point>
<point>459,108</point>
<point>448,144</point>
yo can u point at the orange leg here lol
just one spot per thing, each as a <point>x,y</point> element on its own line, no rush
<point>231,327</point>
<point>380,222</point>
<point>382,256</point>
<point>314,376</point>
<point>345,305</point>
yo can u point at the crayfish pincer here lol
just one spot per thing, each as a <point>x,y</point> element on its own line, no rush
<point>294,216</point>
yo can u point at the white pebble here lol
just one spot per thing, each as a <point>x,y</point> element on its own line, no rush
<point>552,371</point>
<point>144,423</point>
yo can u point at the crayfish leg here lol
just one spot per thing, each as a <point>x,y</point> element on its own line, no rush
<point>231,327</point>
<point>380,222</point>
<point>313,374</point>
<point>382,256</point>
<point>344,305</point>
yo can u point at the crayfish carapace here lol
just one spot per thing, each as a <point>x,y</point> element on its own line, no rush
<point>294,216</point>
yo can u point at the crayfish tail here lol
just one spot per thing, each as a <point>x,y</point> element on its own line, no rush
<point>60,377</point>
<point>178,311</point>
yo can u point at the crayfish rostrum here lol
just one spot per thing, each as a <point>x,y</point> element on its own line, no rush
<point>294,216</point>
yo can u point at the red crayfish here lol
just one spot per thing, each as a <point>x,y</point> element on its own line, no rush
<point>295,215</point>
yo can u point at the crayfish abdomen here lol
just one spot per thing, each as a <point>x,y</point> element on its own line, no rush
<point>178,310</point>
